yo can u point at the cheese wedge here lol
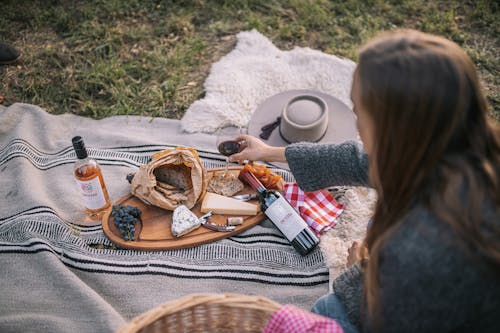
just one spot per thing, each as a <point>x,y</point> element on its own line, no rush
<point>184,221</point>
<point>219,204</point>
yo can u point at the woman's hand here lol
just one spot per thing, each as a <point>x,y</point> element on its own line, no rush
<point>253,149</point>
<point>356,252</point>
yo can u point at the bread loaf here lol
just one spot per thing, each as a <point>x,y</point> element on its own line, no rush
<point>225,185</point>
<point>174,175</point>
<point>172,178</point>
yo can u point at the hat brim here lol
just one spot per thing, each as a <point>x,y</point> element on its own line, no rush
<point>341,119</point>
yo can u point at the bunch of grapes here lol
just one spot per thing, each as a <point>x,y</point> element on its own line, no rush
<point>126,218</point>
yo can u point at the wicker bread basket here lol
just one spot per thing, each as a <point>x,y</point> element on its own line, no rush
<point>217,313</point>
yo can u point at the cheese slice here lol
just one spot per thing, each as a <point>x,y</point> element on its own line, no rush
<point>219,204</point>
<point>184,221</point>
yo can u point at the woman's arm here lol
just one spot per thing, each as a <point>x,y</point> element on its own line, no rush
<point>348,287</point>
<point>314,166</point>
<point>317,166</point>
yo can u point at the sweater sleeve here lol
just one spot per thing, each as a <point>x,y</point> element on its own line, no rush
<point>318,166</point>
<point>349,289</point>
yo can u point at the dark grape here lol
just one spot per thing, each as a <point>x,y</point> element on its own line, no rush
<point>126,218</point>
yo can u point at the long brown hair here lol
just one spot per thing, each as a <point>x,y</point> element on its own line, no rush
<point>432,137</point>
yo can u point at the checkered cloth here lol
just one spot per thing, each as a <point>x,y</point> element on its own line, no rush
<point>319,208</point>
<point>291,319</point>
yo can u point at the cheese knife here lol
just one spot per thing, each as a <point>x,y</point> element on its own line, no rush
<point>246,197</point>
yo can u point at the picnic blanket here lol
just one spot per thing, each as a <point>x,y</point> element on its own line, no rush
<point>59,276</point>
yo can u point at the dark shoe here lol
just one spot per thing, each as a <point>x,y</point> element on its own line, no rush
<point>8,54</point>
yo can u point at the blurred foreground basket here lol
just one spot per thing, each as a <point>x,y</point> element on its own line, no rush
<point>219,313</point>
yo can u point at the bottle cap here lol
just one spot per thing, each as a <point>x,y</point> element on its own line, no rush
<point>79,146</point>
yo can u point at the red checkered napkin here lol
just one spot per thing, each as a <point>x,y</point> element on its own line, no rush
<point>291,319</point>
<point>319,208</point>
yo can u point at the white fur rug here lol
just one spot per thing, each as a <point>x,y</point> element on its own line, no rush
<point>257,69</point>
<point>351,226</point>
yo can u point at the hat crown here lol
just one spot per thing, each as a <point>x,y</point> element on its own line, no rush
<point>304,111</point>
<point>304,118</point>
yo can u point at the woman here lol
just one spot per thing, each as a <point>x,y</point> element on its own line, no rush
<point>434,243</point>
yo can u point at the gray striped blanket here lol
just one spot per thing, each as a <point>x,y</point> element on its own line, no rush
<point>58,275</point>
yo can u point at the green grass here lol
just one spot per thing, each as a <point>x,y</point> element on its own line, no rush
<point>113,57</point>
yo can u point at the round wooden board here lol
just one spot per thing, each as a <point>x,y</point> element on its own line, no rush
<point>153,233</point>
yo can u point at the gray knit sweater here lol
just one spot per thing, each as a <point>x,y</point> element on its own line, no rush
<point>429,281</point>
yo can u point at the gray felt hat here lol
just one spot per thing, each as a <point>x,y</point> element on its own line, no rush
<point>303,115</point>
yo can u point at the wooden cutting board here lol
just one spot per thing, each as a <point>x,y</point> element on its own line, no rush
<point>153,233</point>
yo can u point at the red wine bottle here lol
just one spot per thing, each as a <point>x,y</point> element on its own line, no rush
<point>283,215</point>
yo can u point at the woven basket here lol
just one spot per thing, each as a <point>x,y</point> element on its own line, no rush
<point>217,313</point>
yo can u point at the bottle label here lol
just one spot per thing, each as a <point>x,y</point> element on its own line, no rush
<point>93,196</point>
<point>285,218</point>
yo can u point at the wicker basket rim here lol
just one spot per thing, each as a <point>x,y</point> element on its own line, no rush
<point>257,303</point>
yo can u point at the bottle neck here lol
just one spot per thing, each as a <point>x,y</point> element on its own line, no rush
<point>252,181</point>
<point>84,161</point>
